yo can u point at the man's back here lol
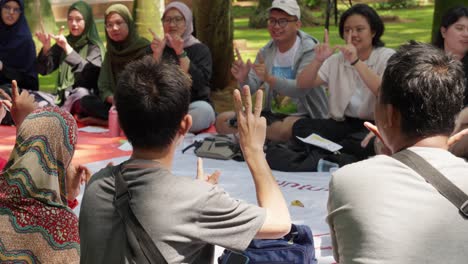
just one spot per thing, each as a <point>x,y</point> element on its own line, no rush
<point>181,215</point>
<point>383,212</point>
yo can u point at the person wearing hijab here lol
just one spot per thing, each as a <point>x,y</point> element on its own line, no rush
<point>77,56</point>
<point>123,46</point>
<point>17,49</point>
<point>193,57</point>
<point>36,223</point>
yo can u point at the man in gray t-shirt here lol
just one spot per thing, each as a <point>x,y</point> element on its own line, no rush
<point>184,217</point>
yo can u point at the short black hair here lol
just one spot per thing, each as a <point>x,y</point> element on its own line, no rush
<point>375,22</point>
<point>151,100</point>
<point>449,18</point>
<point>426,85</point>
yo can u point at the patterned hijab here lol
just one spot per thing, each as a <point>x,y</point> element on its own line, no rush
<point>188,38</point>
<point>17,38</point>
<point>33,203</point>
<point>90,35</point>
<point>119,54</point>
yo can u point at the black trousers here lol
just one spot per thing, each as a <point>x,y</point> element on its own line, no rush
<point>348,133</point>
<point>92,105</point>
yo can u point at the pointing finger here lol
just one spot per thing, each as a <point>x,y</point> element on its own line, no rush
<point>153,33</point>
<point>14,90</point>
<point>325,36</point>
<point>200,172</point>
<point>349,38</point>
<point>239,57</point>
<point>61,30</point>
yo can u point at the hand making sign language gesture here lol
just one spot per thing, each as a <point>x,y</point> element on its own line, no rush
<point>260,68</point>
<point>157,45</point>
<point>349,50</point>
<point>323,50</point>
<point>239,69</point>
<point>60,39</point>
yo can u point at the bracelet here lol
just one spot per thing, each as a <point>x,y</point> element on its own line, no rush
<point>182,55</point>
<point>354,62</point>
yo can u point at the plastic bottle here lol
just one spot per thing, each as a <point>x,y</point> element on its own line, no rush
<point>113,123</point>
<point>326,166</point>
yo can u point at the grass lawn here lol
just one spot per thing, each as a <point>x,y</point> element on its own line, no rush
<point>416,24</point>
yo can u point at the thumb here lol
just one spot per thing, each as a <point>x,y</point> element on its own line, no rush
<point>373,128</point>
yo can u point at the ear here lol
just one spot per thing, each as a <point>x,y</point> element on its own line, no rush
<point>185,125</point>
<point>443,30</point>
<point>393,117</point>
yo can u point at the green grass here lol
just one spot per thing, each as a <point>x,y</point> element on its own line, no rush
<point>416,25</point>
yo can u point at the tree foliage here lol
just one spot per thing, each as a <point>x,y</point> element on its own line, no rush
<point>147,14</point>
<point>37,11</point>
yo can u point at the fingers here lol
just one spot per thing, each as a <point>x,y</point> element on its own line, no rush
<point>14,90</point>
<point>237,102</point>
<point>247,99</point>
<point>152,33</point>
<point>200,172</point>
<point>455,138</point>
<point>214,178</point>
<point>169,38</point>
<point>373,128</point>
<point>261,60</point>
<point>258,103</point>
<point>249,63</point>
<point>325,36</point>
<point>349,37</point>
<point>61,30</point>
<point>366,140</point>
<point>238,55</point>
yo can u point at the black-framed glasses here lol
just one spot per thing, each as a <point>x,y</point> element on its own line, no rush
<point>9,9</point>
<point>118,24</point>
<point>282,22</point>
<point>177,20</point>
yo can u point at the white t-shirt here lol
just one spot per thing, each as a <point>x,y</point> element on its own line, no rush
<point>348,94</point>
<point>283,67</point>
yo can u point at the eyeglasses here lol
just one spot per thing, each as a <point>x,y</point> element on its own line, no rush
<point>177,20</point>
<point>119,24</point>
<point>8,9</point>
<point>77,20</point>
<point>282,22</point>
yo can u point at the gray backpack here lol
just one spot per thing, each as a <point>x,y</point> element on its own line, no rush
<point>218,147</point>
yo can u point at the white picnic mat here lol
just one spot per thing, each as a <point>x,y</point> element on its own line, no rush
<point>310,188</point>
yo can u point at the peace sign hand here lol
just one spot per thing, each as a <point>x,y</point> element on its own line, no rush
<point>349,50</point>
<point>44,38</point>
<point>323,50</point>
<point>61,40</point>
<point>177,43</point>
<point>239,69</point>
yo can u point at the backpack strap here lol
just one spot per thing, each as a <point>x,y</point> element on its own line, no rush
<point>121,203</point>
<point>434,177</point>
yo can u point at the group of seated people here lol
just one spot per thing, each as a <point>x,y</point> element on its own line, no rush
<point>410,98</point>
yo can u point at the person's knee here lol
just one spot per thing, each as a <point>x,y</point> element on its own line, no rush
<point>222,123</point>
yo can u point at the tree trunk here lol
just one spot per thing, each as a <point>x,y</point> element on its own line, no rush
<point>147,15</point>
<point>259,18</point>
<point>37,11</point>
<point>440,7</point>
<point>215,28</point>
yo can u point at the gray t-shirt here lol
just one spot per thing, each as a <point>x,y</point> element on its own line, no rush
<point>184,217</point>
<point>381,211</point>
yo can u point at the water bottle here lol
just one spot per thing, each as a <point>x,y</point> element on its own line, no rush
<point>113,123</point>
<point>326,166</point>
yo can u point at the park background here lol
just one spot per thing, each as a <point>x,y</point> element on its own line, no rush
<point>224,24</point>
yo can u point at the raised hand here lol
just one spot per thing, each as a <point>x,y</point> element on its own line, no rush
<point>251,126</point>
<point>260,68</point>
<point>22,104</point>
<point>349,50</point>
<point>379,144</point>
<point>177,43</point>
<point>44,38</point>
<point>323,50</point>
<point>61,41</point>
<point>239,69</point>
<point>76,175</point>
<point>213,178</point>
<point>157,45</point>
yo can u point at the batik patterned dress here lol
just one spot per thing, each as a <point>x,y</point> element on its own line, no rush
<point>36,224</point>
